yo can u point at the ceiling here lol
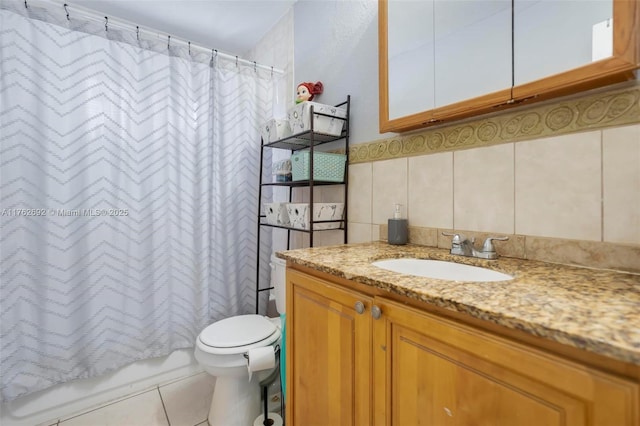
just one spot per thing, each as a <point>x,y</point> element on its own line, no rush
<point>231,26</point>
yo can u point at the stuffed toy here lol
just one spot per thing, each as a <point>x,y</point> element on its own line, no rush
<point>306,91</point>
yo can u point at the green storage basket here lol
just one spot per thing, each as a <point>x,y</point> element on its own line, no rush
<point>326,166</point>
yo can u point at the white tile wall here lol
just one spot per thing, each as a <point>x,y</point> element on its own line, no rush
<point>483,194</point>
<point>582,186</point>
<point>558,187</point>
<point>389,187</point>
<point>360,181</point>
<point>621,184</point>
<point>431,190</point>
<point>359,232</point>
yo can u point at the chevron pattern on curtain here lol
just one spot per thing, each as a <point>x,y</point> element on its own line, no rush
<point>128,188</point>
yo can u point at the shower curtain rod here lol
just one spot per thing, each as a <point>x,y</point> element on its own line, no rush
<point>123,24</point>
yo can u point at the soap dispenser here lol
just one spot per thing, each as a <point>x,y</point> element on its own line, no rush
<point>397,227</point>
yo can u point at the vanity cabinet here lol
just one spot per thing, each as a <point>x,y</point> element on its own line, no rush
<point>441,372</point>
<point>329,366</point>
<point>383,362</point>
<point>441,61</point>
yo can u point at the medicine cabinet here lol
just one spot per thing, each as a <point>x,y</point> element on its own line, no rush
<point>441,60</point>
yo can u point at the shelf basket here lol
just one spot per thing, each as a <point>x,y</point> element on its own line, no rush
<point>326,166</point>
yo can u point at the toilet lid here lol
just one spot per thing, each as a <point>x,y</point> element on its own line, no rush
<point>240,330</point>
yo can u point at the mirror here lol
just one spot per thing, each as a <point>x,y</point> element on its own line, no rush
<point>472,48</point>
<point>550,30</point>
<point>433,46</point>
<point>441,60</point>
<point>411,57</point>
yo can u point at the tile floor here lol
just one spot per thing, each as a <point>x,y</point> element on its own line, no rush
<point>184,402</point>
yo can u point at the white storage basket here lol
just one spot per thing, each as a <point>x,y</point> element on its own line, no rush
<point>300,118</point>
<point>299,215</point>
<point>276,214</point>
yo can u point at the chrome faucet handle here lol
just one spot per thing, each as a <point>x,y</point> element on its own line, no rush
<point>487,247</point>
<point>457,238</point>
<point>456,243</point>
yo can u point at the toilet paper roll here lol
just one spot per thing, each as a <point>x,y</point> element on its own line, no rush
<point>261,359</point>
<point>277,420</point>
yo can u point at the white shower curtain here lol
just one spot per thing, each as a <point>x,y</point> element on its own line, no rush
<point>128,196</point>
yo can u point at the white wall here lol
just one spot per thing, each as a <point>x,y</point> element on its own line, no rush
<point>336,42</point>
<point>276,49</point>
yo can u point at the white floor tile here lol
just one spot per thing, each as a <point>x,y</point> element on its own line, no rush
<point>48,423</point>
<point>141,410</point>
<point>187,401</point>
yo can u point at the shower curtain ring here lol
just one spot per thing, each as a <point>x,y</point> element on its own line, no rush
<point>25,4</point>
<point>138,32</point>
<point>236,61</point>
<point>255,69</point>
<point>189,48</point>
<point>106,23</point>
<point>65,9</point>
<point>168,41</point>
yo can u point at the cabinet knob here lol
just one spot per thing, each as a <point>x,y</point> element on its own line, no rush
<point>359,307</point>
<point>376,312</point>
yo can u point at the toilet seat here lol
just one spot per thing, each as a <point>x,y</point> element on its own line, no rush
<point>238,334</point>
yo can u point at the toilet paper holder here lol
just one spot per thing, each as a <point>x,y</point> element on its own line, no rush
<point>268,381</point>
<point>276,350</point>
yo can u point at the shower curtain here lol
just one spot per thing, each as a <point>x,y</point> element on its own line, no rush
<point>128,195</point>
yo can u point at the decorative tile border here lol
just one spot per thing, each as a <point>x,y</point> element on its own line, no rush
<point>614,107</point>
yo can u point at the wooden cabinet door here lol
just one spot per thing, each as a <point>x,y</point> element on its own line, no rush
<point>433,371</point>
<point>328,350</point>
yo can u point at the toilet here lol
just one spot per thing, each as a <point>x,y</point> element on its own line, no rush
<point>221,350</point>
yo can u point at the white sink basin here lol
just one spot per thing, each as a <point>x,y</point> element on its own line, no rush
<point>441,270</point>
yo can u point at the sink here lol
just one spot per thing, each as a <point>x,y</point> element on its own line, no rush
<point>441,270</point>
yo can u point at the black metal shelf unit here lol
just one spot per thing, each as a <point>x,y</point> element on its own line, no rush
<point>308,139</point>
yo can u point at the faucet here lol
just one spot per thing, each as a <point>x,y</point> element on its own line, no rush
<point>461,246</point>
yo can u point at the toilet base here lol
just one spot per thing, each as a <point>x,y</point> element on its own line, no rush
<point>235,401</point>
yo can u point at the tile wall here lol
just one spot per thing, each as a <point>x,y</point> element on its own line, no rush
<point>572,198</point>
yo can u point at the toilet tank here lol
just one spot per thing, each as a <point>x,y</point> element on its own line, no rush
<point>278,272</point>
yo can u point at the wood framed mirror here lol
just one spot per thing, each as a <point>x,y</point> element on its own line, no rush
<point>418,53</point>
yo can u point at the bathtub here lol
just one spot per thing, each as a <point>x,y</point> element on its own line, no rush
<point>68,399</point>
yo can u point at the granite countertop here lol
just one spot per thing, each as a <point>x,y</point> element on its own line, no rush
<point>591,309</point>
